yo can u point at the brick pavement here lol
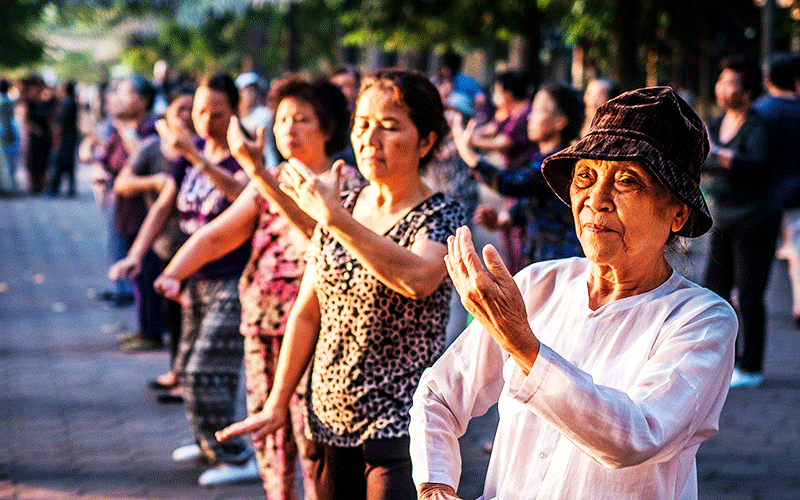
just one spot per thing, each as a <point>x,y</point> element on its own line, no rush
<point>77,421</point>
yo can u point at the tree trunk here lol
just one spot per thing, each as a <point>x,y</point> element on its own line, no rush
<point>626,28</point>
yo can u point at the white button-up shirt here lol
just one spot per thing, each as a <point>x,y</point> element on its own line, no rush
<point>614,407</point>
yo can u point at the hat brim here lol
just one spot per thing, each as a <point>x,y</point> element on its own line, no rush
<point>619,146</point>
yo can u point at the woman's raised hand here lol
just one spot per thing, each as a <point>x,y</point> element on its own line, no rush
<point>435,491</point>
<point>177,138</point>
<point>258,425</point>
<point>491,295</point>
<point>319,198</point>
<point>249,154</point>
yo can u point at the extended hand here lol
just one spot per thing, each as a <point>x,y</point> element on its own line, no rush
<point>249,154</point>
<point>127,267</point>
<point>259,425</point>
<point>317,196</point>
<point>491,295</point>
<point>168,286</point>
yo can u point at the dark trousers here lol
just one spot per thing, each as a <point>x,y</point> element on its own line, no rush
<point>741,257</point>
<point>64,166</point>
<point>380,469</point>
<point>149,303</point>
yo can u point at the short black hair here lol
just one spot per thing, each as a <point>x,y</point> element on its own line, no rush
<point>4,85</point>
<point>780,71</point>
<point>222,82</point>
<point>144,88</point>
<point>514,82</point>
<point>452,61</point>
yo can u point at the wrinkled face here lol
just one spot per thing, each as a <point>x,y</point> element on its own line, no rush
<point>297,131</point>
<point>385,140</point>
<point>545,121</point>
<point>179,113</point>
<point>728,90</point>
<point>623,214</point>
<point>211,114</point>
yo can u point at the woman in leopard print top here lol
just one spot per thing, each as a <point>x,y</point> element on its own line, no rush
<point>373,304</point>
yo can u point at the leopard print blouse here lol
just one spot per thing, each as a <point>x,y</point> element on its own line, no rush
<point>374,343</point>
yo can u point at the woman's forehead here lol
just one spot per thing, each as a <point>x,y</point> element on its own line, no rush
<point>612,165</point>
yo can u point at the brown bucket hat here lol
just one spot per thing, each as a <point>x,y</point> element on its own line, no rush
<point>653,125</point>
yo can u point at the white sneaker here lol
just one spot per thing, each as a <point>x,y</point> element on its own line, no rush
<point>227,473</point>
<point>187,453</point>
<point>745,379</point>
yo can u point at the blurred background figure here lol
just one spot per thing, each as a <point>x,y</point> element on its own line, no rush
<point>348,79</point>
<point>163,86</point>
<point>554,122</point>
<point>9,138</point>
<point>597,92</point>
<point>67,137</point>
<point>450,70</point>
<point>780,107</point>
<point>746,215</point>
<point>38,118</point>
<point>253,113</point>
<point>504,140</point>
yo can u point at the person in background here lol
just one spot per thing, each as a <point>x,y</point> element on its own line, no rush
<point>598,91</point>
<point>554,122</point>
<point>38,118</point>
<point>204,183</point>
<point>67,138</point>
<point>746,214</point>
<point>163,86</point>
<point>609,371</point>
<point>149,174</point>
<point>780,108</point>
<point>311,123</point>
<point>254,113</point>
<point>133,123</point>
<point>451,70</point>
<point>348,79</point>
<point>373,303</point>
<point>9,137</point>
<point>505,139</point>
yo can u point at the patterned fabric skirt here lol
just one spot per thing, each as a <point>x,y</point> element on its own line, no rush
<point>277,459</point>
<point>208,363</point>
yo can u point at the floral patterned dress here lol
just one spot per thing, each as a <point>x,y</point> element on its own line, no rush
<point>267,290</point>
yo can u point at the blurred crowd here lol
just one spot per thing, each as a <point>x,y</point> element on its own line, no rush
<point>221,193</point>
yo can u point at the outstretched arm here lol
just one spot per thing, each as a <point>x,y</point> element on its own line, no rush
<point>299,342</point>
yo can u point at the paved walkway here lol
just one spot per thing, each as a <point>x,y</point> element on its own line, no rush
<point>77,421</point>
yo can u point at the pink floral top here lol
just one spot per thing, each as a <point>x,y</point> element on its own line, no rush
<point>270,281</point>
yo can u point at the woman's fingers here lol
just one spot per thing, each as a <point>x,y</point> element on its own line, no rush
<point>244,427</point>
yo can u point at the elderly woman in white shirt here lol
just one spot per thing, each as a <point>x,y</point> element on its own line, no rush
<point>609,370</point>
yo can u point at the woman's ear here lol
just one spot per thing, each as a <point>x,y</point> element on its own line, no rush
<point>681,216</point>
<point>426,143</point>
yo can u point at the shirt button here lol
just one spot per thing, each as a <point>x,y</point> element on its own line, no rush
<point>543,455</point>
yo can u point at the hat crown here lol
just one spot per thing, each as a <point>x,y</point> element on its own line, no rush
<point>659,116</point>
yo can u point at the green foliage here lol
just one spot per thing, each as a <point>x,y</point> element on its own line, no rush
<point>19,47</point>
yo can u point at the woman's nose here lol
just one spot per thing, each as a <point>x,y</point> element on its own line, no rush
<point>599,196</point>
